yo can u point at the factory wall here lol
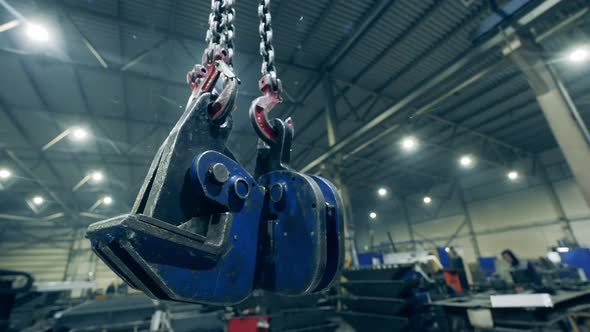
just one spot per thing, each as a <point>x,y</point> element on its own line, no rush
<point>51,253</point>
<point>520,215</point>
<point>35,248</point>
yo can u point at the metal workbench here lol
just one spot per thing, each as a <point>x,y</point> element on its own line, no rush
<point>453,313</point>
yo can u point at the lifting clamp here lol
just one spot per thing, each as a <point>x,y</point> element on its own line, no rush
<point>203,229</point>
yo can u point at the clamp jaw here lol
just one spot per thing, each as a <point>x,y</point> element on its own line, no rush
<point>304,221</point>
<point>204,230</point>
<point>304,214</point>
<point>192,234</point>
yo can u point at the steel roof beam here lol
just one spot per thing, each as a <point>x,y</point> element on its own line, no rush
<point>402,36</point>
<point>469,130</point>
<point>442,147</point>
<point>444,122</point>
<point>86,102</point>
<point>367,22</point>
<point>451,70</point>
<point>481,135</point>
<point>431,49</point>
<point>89,45</point>
<point>46,105</point>
<point>19,163</point>
<point>315,25</point>
<point>17,54</point>
<point>9,25</point>
<point>79,11</point>
<point>36,179</point>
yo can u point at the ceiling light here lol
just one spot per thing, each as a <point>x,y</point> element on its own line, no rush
<point>107,200</point>
<point>427,200</point>
<point>512,175</point>
<point>579,54</point>
<point>5,173</point>
<point>382,192</point>
<point>466,161</point>
<point>409,143</point>
<point>38,200</point>
<point>373,215</point>
<point>79,134</point>
<point>37,33</point>
<point>97,176</point>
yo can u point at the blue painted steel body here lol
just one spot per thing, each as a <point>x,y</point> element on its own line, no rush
<point>183,270</point>
<point>302,249</point>
<point>231,278</point>
<point>298,229</point>
<point>334,231</point>
<point>224,194</point>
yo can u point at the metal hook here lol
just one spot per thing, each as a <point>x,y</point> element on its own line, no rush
<point>262,105</point>
<point>224,104</point>
<point>204,77</point>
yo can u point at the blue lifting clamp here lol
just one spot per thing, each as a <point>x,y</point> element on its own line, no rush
<point>204,230</point>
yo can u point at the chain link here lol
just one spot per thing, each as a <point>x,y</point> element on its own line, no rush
<point>221,27</point>
<point>229,13</point>
<point>215,29</point>
<point>266,49</point>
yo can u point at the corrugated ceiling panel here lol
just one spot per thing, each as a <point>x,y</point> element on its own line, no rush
<point>102,6</point>
<point>159,13</point>
<point>337,24</point>
<point>402,16</point>
<point>102,34</point>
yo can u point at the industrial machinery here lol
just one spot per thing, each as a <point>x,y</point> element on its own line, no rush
<point>389,298</point>
<point>202,228</point>
<point>9,288</point>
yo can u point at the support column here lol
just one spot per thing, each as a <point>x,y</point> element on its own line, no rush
<point>72,260</point>
<point>558,108</point>
<point>408,221</point>
<point>331,115</point>
<point>467,214</point>
<point>559,210</point>
<point>331,126</point>
<point>349,233</point>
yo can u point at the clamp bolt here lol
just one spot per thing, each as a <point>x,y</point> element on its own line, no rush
<point>277,191</point>
<point>241,188</point>
<point>219,172</point>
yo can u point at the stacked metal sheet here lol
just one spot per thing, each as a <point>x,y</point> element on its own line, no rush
<point>379,299</point>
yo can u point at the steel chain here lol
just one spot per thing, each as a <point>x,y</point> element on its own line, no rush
<point>266,49</point>
<point>229,13</point>
<point>214,32</point>
<point>221,27</point>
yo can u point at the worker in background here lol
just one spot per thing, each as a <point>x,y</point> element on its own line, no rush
<point>456,264</point>
<point>111,288</point>
<point>523,273</point>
